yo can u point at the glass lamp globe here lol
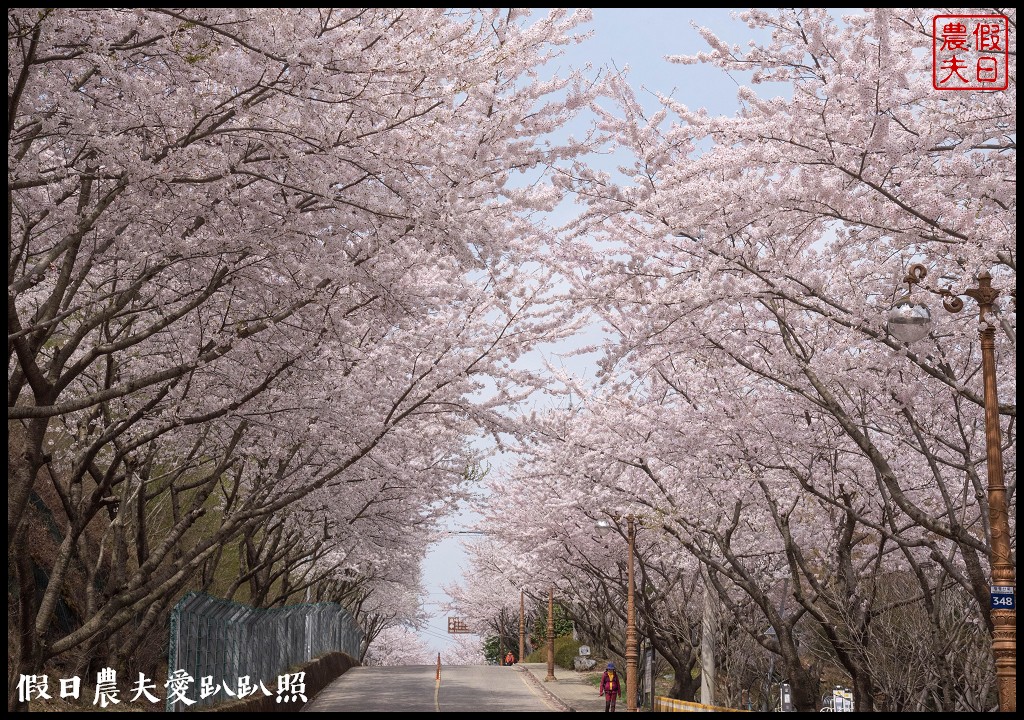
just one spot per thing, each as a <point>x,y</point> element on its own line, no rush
<point>604,526</point>
<point>909,321</point>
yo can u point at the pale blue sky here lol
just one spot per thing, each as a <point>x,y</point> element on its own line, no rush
<point>638,39</point>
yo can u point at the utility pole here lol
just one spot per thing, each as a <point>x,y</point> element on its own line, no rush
<point>707,643</point>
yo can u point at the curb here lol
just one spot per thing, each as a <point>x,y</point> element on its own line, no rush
<point>535,681</point>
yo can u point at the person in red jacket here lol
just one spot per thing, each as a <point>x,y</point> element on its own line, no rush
<point>609,687</point>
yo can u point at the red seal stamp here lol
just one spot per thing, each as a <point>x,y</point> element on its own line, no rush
<point>970,52</point>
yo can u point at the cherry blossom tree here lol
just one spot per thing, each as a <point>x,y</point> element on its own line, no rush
<point>753,407</point>
<point>261,263</point>
<point>463,650</point>
<point>398,646</point>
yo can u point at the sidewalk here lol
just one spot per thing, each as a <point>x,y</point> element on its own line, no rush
<point>570,690</point>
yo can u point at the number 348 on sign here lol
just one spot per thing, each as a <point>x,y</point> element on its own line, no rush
<point>1002,597</point>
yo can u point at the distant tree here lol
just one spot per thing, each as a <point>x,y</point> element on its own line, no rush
<point>463,650</point>
<point>398,646</point>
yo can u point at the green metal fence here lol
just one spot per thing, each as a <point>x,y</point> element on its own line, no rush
<point>221,650</point>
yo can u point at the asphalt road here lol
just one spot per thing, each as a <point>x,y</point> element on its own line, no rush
<point>462,688</point>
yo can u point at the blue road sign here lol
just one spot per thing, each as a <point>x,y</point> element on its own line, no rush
<point>1003,597</point>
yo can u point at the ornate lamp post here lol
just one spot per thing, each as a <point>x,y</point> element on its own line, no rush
<point>522,627</point>
<point>631,645</point>
<point>909,322</point>
<point>551,635</point>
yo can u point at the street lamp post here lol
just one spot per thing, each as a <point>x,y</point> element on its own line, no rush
<point>522,627</point>
<point>909,322</point>
<point>631,645</point>
<point>631,651</point>
<point>551,635</point>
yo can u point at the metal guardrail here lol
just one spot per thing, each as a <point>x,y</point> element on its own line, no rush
<point>216,643</point>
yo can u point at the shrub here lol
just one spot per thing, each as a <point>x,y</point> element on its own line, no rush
<point>565,650</point>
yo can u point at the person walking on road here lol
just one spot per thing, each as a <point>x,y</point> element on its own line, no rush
<point>609,687</point>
